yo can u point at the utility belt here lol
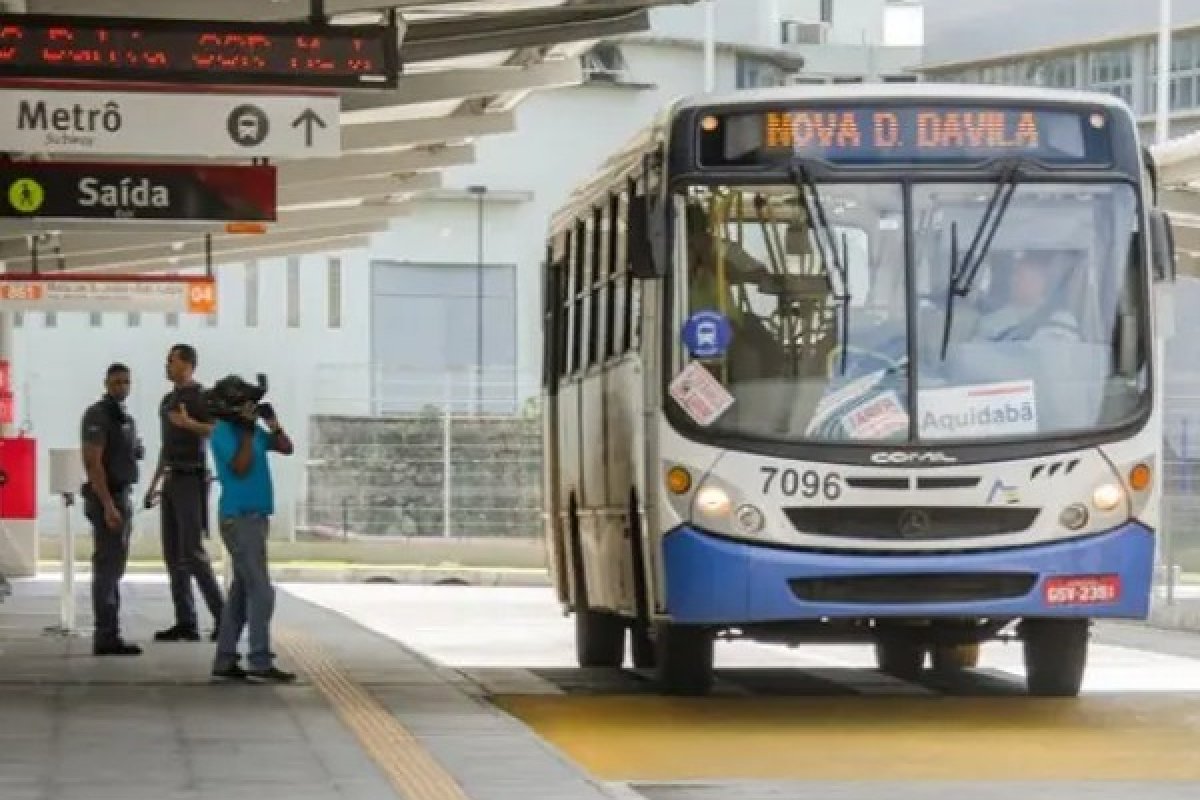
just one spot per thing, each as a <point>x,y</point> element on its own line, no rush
<point>113,491</point>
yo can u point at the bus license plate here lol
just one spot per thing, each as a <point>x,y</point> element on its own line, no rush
<point>1083,590</point>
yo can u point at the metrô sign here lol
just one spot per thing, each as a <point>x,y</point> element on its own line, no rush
<point>179,192</point>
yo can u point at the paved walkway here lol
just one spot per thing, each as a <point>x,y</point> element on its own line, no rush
<point>368,718</point>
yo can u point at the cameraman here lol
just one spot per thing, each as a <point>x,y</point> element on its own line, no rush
<point>240,446</point>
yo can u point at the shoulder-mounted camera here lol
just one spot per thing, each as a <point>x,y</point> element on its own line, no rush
<point>231,397</point>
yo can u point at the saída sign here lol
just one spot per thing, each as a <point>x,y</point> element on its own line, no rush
<point>180,192</point>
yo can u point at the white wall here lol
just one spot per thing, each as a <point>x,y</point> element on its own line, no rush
<point>59,371</point>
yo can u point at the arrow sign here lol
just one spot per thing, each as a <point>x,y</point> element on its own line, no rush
<point>308,118</point>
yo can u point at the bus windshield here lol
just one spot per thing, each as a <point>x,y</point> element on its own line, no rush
<point>851,318</point>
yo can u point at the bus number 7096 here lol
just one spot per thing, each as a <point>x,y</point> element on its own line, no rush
<point>807,483</point>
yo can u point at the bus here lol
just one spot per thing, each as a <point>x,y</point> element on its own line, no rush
<point>873,364</point>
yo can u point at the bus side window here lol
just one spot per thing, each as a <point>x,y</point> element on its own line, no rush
<point>599,240</point>
<point>611,215</point>
<point>619,287</point>
<point>549,318</point>
<point>574,297</point>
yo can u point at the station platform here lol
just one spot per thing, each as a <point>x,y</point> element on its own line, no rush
<point>367,719</point>
<point>458,693</point>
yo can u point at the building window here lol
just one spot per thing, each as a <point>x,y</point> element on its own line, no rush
<point>96,319</point>
<point>252,294</point>
<point>18,318</point>
<point>293,291</point>
<point>1184,87</point>
<point>134,319</point>
<point>827,11</point>
<point>333,292</point>
<point>50,319</point>
<point>172,319</point>
<point>754,73</point>
<point>1111,71</point>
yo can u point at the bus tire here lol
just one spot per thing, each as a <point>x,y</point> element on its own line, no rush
<point>900,657</point>
<point>641,645</point>
<point>599,639</point>
<point>951,658</point>
<point>1055,655</point>
<point>599,635</point>
<point>685,659</point>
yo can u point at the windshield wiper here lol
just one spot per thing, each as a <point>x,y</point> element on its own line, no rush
<point>814,209</point>
<point>962,276</point>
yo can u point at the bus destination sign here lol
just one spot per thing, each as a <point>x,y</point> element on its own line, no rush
<point>216,52</point>
<point>869,135</point>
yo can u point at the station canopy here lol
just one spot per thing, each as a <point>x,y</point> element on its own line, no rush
<point>465,66</point>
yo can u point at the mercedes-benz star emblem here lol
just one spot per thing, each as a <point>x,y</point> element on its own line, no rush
<point>913,523</point>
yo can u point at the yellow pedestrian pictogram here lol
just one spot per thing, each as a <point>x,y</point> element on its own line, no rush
<point>26,195</point>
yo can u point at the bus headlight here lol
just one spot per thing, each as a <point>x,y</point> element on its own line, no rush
<point>750,519</point>
<point>713,501</point>
<point>1107,496</point>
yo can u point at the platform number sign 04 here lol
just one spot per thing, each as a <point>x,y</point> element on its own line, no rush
<point>202,298</point>
<point>802,483</point>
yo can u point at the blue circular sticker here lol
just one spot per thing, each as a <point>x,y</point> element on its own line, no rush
<point>707,334</point>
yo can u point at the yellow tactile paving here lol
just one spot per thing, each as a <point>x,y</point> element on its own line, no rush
<point>1144,736</point>
<point>411,770</point>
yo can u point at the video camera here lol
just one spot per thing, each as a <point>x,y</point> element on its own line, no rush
<point>227,398</point>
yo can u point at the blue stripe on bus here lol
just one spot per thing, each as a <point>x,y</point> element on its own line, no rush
<point>721,581</point>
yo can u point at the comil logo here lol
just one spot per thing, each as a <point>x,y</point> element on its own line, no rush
<point>912,459</point>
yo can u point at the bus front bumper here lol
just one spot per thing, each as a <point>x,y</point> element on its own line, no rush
<point>715,580</point>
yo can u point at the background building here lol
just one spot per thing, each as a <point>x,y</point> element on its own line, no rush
<point>401,326</point>
<point>1104,45</point>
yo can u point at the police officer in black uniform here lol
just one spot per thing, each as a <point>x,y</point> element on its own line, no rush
<point>111,450</point>
<point>182,470</point>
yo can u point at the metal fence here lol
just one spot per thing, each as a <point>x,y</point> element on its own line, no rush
<point>1179,549</point>
<point>398,453</point>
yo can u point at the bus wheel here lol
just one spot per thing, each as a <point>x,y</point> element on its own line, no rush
<point>955,657</point>
<point>900,657</point>
<point>1055,655</point>
<point>599,639</point>
<point>642,646</point>
<point>599,636</point>
<point>685,658</point>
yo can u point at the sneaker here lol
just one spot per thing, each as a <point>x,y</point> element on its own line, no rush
<point>272,675</point>
<point>177,633</point>
<point>117,647</point>
<point>231,673</point>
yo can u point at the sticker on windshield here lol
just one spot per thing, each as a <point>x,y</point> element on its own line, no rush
<point>700,394</point>
<point>990,409</point>
<point>707,334</point>
<point>880,418</point>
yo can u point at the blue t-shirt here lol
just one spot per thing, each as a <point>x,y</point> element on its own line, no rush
<point>251,493</point>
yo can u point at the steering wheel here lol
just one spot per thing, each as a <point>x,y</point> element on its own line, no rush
<point>864,360</point>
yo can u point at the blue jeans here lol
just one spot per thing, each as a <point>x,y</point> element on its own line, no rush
<point>251,599</point>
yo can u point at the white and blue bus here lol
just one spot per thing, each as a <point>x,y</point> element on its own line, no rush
<point>871,363</point>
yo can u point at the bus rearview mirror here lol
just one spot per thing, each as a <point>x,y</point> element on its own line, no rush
<point>1162,246</point>
<point>646,240</point>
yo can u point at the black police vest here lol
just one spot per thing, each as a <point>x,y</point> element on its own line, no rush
<point>120,446</point>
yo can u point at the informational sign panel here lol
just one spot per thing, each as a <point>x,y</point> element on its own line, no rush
<point>77,190</point>
<point>199,51</point>
<point>169,123</point>
<point>151,293</point>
